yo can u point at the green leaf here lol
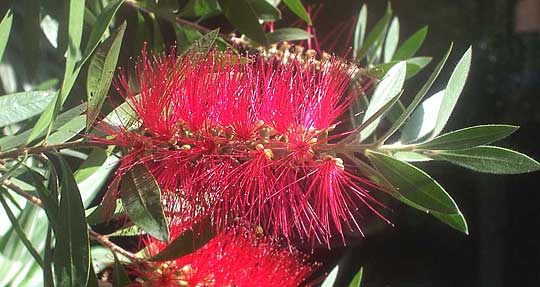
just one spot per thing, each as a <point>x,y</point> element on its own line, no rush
<point>417,98</point>
<point>102,25</point>
<point>456,221</point>
<point>17,227</point>
<point>297,8</point>
<point>204,44</point>
<point>5,28</point>
<point>95,159</point>
<point>243,15</point>
<point>410,156</point>
<point>120,276</point>
<point>75,27</point>
<point>68,130</point>
<point>453,91</point>
<point>357,280</point>
<point>48,279</point>
<point>21,106</point>
<point>489,159</point>
<point>200,8</point>
<point>141,197</point>
<point>10,142</point>
<point>360,31</point>
<point>375,38</point>
<point>287,34</point>
<point>469,137</point>
<point>265,11</point>
<point>392,39</point>
<point>72,248</point>
<point>184,244</point>
<point>331,278</point>
<point>423,120</point>
<point>386,90</point>
<point>101,72</point>
<point>414,65</point>
<point>49,201</point>
<point>411,45</point>
<point>413,184</point>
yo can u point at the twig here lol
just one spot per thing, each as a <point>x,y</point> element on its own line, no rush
<point>44,148</point>
<point>101,239</point>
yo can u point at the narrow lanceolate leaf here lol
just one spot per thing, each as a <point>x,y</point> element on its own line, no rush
<point>386,90</point>
<point>120,276</point>
<point>5,28</point>
<point>469,137</point>
<point>101,72</point>
<point>21,106</point>
<point>141,197</point>
<point>72,248</point>
<point>489,159</point>
<point>360,31</point>
<point>357,280</point>
<point>375,38</point>
<point>417,98</point>
<point>423,120</point>
<point>392,39</point>
<point>48,200</point>
<point>287,34</point>
<point>75,27</point>
<point>431,195</point>
<point>298,9</point>
<point>243,15</point>
<point>331,278</point>
<point>409,48</point>
<point>17,227</point>
<point>413,184</point>
<point>453,91</point>
<point>102,24</point>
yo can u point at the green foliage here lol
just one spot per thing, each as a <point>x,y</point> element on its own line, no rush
<point>5,28</point>
<point>22,106</point>
<point>141,197</point>
<point>357,280</point>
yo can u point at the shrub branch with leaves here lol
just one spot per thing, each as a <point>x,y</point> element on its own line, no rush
<point>228,153</point>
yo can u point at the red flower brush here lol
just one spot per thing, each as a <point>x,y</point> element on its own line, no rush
<point>229,139</point>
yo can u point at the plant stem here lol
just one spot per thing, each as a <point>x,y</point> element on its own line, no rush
<point>44,148</point>
<point>101,239</point>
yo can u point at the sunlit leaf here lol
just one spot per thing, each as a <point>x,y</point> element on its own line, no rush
<point>101,72</point>
<point>5,28</point>
<point>469,137</point>
<point>331,278</point>
<point>409,48</point>
<point>489,159</point>
<point>357,280</point>
<point>392,39</point>
<point>386,90</point>
<point>424,119</point>
<point>453,91</point>
<point>21,106</point>
<point>360,31</point>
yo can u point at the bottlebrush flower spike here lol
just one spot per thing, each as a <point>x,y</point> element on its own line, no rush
<point>237,257</point>
<point>227,139</point>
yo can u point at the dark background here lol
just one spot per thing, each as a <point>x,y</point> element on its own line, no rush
<point>503,212</point>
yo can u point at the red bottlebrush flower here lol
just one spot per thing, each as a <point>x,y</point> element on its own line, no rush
<point>227,139</point>
<point>238,257</point>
